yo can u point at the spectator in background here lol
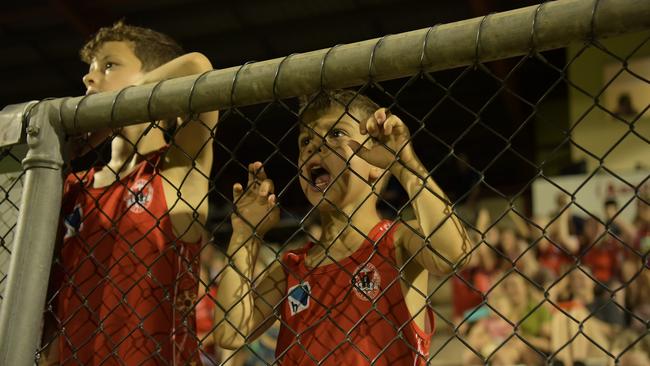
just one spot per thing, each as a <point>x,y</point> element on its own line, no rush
<point>601,252</point>
<point>637,265</point>
<point>631,345</point>
<point>513,251</point>
<point>575,329</point>
<point>557,241</point>
<point>551,254</point>
<point>514,300</point>
<point>642,222</point>
<point>582,289</point>
<point>616,225</point>
<point>637,277</point>
<point>635,259</point>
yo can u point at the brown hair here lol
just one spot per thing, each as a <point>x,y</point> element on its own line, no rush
<point>150,47</point>
<point>314,106</point>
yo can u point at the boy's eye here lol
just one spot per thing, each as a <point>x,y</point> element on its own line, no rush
<point>108,65</point>
<point>337,133</point>
<point>304,141</point>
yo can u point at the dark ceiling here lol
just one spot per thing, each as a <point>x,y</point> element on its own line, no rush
<point>39,40</point>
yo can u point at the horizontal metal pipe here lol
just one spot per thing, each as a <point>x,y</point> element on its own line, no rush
<point>496,36</point>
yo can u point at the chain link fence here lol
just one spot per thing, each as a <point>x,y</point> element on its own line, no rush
<point>12,183</point>
<point>537,164</point>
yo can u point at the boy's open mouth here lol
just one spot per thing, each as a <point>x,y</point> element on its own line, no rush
<point>319,177</point>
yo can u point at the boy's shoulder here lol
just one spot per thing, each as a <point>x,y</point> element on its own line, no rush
<point>76,178</point>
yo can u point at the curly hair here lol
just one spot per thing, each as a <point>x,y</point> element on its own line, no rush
<point>150,47</point>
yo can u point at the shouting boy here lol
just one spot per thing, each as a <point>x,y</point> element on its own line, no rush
<point>127,267</point>
<point>357,295</point>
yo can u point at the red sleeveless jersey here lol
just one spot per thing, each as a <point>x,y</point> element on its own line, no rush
<point>128,285</point>
<point>351,312</point>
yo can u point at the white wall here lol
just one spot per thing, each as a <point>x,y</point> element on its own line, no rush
<point>592,194</point>
<point>594,129</point>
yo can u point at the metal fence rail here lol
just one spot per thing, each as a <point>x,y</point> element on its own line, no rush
<point>446,46</point>
<point>416,56</point>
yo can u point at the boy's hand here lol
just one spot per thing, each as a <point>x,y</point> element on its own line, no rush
<point>255,207</point>
<point>391,140</point>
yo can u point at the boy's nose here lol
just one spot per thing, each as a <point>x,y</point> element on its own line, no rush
<point>90,79</point>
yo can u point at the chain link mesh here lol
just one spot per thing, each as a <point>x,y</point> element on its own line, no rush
<point>559,284</point>
<point>11,188</point>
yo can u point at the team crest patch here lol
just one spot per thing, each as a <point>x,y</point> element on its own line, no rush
<point>299,297</point>
<point>366,282</point>
<point>73,222</point>
<point>139,195</point>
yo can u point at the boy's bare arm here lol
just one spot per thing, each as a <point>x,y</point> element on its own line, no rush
<point>268,294</point>
<point>192,139</point>
<point>437,239</point>
<point>243,309</point>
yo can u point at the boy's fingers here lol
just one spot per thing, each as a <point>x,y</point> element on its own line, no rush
<point>251,174</point>
<point>260,174</point>
<point>359,149</point>
<point>271,186</point>
<point>381,115</point>
<point>372,127</point>
<point>263,189</point>
<point>271,200</point>
<point>389,125</point>
<point>255,173</point>
<point>362,127</point>
<point>237,190</point>
<point>266,188</point>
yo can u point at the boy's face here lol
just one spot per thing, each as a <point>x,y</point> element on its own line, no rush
<point>327,166</point>
<point>114,66</point>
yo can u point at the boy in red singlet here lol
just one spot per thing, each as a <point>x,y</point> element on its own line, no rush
<point>128,263</point>
<point>356,295</point>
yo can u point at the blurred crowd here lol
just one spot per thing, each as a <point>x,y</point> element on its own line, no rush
<point>575,288</point>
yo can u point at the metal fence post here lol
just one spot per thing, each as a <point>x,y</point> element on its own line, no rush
<point>22,309</point>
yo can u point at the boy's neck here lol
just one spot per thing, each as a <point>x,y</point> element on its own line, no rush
<point>342,233</point>
<point>128,148</point>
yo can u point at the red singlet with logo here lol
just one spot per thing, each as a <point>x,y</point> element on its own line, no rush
<point>128,285</point>
<point>351,312</point>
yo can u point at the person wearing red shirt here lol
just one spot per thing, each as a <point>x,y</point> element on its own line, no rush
<point>358,294</point>
<point>128,262</point>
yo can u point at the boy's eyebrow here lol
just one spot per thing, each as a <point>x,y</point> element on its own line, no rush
<point>101,57</point>
<point>352,122</point>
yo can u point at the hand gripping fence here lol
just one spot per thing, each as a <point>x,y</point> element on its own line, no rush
<point>569,287</point>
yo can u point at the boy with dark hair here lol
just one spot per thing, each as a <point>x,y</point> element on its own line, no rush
<point>128,262</point>
<point>358,294</point>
